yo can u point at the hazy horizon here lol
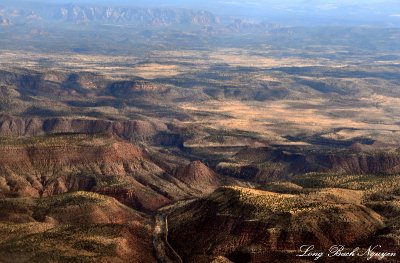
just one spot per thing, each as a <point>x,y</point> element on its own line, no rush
<point>295,12</point>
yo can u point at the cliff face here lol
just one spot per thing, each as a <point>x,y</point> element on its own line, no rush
<point>241,223</point>
<point>131,130</point>
<point>49,165</point>
<point>369,163</point>
<point>374,162</point>
<point>377,162</point>
<point>266,164</point>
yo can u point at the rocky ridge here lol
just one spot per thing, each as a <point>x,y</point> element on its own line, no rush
<point>46,166</point>
<point>245,224</point>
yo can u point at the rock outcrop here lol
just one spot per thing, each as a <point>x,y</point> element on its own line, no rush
<point>131,130</point>
<point>241,223</point>
<point>268,164</point>
<point>48,165</point>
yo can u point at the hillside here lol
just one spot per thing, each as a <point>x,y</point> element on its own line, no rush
<point>199,177</point>
<point>49,165</point>
<point>258,226</point>
<point>80,226</point>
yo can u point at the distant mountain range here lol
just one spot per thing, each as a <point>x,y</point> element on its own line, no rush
<point>141,16</point>
<point>160,13</point>
<point>93,14</point>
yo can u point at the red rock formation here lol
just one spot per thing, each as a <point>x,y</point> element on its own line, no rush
<point>199,177</point>
<point>232,222</point>
<point>49,165</point>
<point>72,225</point>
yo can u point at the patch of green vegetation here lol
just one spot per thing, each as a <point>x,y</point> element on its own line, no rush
<point>375,187</point>
<point>46,112</point>
<point>284,188</point>
<point>389,209</point>
<point>218,134</point>
<point>323,180</point>
<point>100,230</point>
<point>261,204</point>
<point>110,181</point>
<point>56,256</point>
<point>68,243</point>
<point>217,138</point>
<point>69,199</point>
<point>95,247</point>
<point>9,99</point>
<point>15,204</point>
<point>52,140</point>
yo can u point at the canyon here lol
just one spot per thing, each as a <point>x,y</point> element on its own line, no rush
<point>158,133</point>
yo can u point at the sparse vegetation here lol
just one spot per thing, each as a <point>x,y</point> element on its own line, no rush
<point>261,204</point>
<point>70,199</point>
<point>47,232</point>
<point>375,187</point>
<point>295,126</point>
<point>56,140</point>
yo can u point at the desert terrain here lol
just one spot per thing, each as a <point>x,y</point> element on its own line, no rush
<point>175,135</point>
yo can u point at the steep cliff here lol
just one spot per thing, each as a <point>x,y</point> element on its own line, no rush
<point>267,164</point>
<point>131,130</point>
<point>49,165</point>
